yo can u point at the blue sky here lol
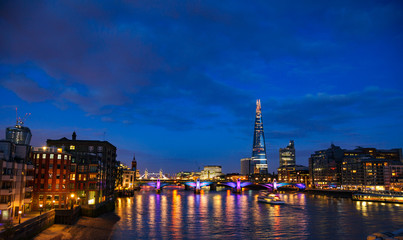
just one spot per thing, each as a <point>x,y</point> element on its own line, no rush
<point>176,82</point>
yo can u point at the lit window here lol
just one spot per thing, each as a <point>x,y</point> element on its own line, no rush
<point>65,157</point>
<point>52,156</point>
<point>59,156</point>
<point>72,147</point>
<point>44,155</point>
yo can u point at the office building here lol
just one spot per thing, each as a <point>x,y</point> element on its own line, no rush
<point>245,166</point>
<point>324,167</point>
<point>287,155</point>
<point>259,159</point>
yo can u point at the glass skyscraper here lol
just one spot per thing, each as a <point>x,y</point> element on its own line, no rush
<point>259,159</point>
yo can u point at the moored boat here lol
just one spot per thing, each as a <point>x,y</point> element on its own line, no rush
<point>378,196</point>
<point>269,198</point>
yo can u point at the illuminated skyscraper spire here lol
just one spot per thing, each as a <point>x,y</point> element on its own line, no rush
<point>259,159</point>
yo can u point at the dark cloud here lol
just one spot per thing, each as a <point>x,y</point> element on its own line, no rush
<point>26,88</point>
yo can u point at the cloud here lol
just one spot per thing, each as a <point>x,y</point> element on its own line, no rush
<point>26,88</point>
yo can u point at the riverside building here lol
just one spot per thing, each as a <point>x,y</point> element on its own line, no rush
<point>52,178</point>
<point>324,167</point>
<point>370,168</point>
<point>93,168</point>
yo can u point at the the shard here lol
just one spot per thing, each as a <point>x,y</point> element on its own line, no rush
<point>259,159</point>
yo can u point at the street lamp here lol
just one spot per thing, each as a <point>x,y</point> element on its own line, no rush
<point>54,203</point>
<point>72,197</point>
<point>19,217</point>
<point>40,209</point>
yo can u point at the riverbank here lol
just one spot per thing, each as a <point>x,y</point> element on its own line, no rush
<point>86,228</point>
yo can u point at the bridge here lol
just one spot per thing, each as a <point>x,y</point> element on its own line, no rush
<point>236,187</point>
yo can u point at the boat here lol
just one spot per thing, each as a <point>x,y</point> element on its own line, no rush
<point>378,196</point>
<point>269,198</point>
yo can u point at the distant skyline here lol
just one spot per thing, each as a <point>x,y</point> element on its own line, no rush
<point>176,82</point>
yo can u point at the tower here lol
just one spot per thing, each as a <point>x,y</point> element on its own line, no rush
<point>19,134</point>
<point>259,159</point>
<point>134,163</point>
<point>287,155</point>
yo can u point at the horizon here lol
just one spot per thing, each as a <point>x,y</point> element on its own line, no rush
<point>176,83</point>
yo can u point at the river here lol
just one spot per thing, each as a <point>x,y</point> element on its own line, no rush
<point>180,214</point>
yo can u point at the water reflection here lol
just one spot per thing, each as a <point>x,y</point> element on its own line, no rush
<point>180,214</point>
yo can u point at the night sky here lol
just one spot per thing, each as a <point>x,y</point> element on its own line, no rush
<point>176,82</point>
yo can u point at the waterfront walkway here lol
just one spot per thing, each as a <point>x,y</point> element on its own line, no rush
<point>86,228</point>
<point>24,218</point>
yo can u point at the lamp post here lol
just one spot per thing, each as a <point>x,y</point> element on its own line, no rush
<point>40,209</point>
<point>19,217</point>
<point>72,197</point>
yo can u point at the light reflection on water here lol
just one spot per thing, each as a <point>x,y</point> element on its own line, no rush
<point>179,214</point>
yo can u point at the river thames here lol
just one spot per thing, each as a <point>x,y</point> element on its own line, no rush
<point>180,214</point>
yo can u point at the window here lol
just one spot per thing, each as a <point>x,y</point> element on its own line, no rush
<point>42,175</point>
<point>72,147</point>
<point>49,197</point>
<point>59,156</point>
<point>50,175</point>
<point>49,186</point>
<point>57,186</point>
<point>57,197</point>
<point>93,168</point>
<point>65,157</point>
<point>90,148</point>
<point>58,166</point>
<point>40,197</point>
<point>58,176</point>
<point>44,155</point>
<point>73,168</point>
<point>99,148</point>
<point>50,165</point>
<point>64,186</point>
<point>73,176</point>
<point>52,156</point>
<point>42,186</point>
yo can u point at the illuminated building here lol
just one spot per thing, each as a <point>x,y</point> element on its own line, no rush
<point>245,166</point>
<point>287,155</point>
<point>211,172</point>
<point>370,168</point>
<point>52,178</point>
<point>324,167</point>
<point>126,178</point>
<point>293,174</point>
<point>259,159</point>
<point>16,173</point>
<point>93,168</point>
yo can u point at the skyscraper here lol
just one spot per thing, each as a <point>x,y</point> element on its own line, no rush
<point>287,155</point>
<point>259,159</point>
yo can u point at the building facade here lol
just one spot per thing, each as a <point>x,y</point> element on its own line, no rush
<point>259,158</point>
<point>245,166</point>
<point>324,167</point>
<point>293,174</point>
<point>370,168</point>
<point>287,155</point>
<point>93,168</point>
<point>211,172</point>
<point>52,178</point>
<point>16,173</point>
